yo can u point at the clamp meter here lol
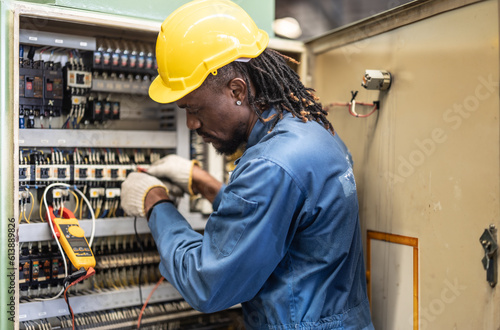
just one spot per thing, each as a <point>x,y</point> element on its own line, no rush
<point>72,239</point>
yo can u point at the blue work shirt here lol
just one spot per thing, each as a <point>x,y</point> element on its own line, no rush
<point>283,240</point>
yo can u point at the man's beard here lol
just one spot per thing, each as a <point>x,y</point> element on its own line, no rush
<point>226,147</point>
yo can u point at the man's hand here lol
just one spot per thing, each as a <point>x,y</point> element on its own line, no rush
<point>174,191</point>
<point>177,169</point>
<point>187,174</point>
<point>153,196</point>
<point>136,188</point>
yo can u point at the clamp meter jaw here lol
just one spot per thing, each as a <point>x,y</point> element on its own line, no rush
<point>72,239</point>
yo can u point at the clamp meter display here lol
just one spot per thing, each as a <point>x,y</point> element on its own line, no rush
<point>72,239</point>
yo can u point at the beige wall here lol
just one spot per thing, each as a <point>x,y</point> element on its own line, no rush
<point>427,166</point>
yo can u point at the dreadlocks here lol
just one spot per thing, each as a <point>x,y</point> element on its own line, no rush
<point>276,85</point>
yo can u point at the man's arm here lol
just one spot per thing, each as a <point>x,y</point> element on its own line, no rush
<point>243,241</point>
<point>205,184</point>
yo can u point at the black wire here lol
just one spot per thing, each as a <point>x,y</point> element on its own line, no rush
<point>67,296</point>
<point>31,53</point>
<point>353,94</point>
<point>139,242</point>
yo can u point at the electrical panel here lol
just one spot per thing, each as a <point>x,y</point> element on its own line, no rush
<point>85,121</point>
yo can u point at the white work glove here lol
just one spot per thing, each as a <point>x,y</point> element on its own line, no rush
<point>134,190</point>
<point>174,191</point>
<point>177,169</point>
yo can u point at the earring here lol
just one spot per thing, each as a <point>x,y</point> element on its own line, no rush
<point>238,102</point>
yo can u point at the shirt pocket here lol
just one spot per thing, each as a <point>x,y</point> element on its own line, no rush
<point>229,222</point>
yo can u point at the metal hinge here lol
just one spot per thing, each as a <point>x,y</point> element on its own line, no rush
<point>489,242</point>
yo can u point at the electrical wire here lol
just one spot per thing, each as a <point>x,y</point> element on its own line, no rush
<point>353,112</point>
<point>76,201</point>
<point>21,213</point>
<point>81,209</point>
<point>32,204</point>
<point>110,213</point>
<point>104,214</point>
<point>41,207</point>
<point>147,301</point>
<point>141,246</point>
<point>114,210</point>
<point>24,213</point>
<point>90,272</point>
<point>81,201</point>
<point>352,107</point>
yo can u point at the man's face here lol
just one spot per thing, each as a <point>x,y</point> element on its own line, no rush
<point>216,117</point>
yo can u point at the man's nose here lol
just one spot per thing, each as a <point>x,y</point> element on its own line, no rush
<point>192,122</point>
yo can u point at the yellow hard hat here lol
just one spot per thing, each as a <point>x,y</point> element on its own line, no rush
<point>197,39</point>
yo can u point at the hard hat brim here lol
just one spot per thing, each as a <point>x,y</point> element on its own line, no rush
<point>160,93</point>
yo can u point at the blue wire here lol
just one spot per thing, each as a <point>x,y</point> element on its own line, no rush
<point>65,123</point>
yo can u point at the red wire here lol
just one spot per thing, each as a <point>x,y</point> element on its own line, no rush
<point>90,272</point>
<point>70,310</point>
<point>147,300</point>
<point>338,104</point>
<point>363,116</point>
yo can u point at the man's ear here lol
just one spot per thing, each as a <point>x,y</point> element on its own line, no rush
<point>238,89</point>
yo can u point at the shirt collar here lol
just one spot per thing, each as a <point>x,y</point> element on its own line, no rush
<point>260,129</point>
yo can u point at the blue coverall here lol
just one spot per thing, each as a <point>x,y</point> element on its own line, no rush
<point>284,237</point>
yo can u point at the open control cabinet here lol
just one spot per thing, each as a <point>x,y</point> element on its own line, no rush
<point>83,121</point>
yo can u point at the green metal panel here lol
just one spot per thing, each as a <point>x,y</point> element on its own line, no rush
<point>261,11</point>
<point>7,222</point>
<point>48,2</point>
